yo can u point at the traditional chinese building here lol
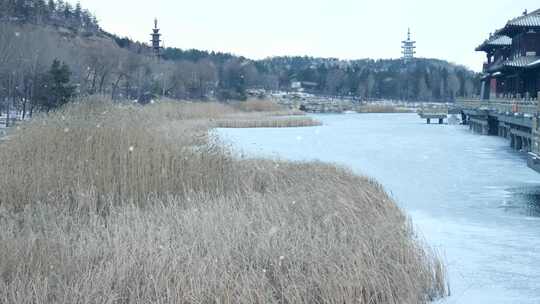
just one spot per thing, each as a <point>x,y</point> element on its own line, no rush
<point>408,48</point>
<point>156,40</point>
<point>512,70</point>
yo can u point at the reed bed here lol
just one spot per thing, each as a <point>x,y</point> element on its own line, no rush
<point>374,108</point>
<point>268,122</point>
<point>264,107</point>
<point>103,203</point>
<point>259,105</point>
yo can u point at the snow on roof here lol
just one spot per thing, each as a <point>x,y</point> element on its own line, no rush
<point>523,61</point>
<point>534,63</point>
<point>495,41</point>
<point>500,40</point>
<point>531,20</point>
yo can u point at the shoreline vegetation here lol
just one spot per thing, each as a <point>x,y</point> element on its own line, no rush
<point>113,203</point>
<point>374,108</point>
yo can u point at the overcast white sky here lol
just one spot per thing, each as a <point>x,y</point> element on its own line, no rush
<point>346,29</point>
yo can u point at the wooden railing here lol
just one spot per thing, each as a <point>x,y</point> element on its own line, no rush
<point>523,106</point>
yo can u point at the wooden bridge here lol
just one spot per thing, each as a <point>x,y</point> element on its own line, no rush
<point>517,120</point>
<point>439,114</point>
<point>433,116</point>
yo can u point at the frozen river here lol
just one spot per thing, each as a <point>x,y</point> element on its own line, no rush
<point>470,196</point>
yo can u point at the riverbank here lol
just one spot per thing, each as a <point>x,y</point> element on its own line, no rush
<point>478,202</point>
<point>106,203</point>
<point>381,108</point>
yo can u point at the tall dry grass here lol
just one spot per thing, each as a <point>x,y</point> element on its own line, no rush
<point>259,105</point>
<point>101,203</point>
<point>254,121</point>
<point>379,108</point>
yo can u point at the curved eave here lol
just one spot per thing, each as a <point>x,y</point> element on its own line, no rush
<point>489,48</point>
<point>495,42</point>
<point>534,65</point>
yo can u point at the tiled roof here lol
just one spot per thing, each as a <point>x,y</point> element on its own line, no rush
<point>534,64</point>
<point>494,42</point>
<point>522,62</point>
<point>531,20</point>
<point>500,40</point>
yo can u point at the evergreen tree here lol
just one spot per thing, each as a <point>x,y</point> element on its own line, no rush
<point>22,9</point>
<point>51,8</point>
<point>68,11</point>
<point>56,88</point>
<point>60,6</point>
<point>77,14</point>
<point>41,10</point>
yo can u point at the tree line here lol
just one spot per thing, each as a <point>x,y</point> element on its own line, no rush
<point>50,12</point>
<point>417,80</point>
<point>50,51</point>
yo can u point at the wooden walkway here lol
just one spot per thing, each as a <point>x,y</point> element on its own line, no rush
<point>437,114</point>
<point>516,120</point>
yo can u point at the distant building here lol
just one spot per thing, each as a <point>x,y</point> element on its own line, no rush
<point>302,86</point>
<point>408,48</point>
<point>296,85</point>
<point>512,69</point>
<point>156,40</point>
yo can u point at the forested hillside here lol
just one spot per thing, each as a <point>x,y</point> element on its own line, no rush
<point>52,50</point>
<point>420,79</point>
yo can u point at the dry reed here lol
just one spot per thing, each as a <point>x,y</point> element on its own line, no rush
<point>267,122</point>
<point>375,108</point>
<point>104,203</point>
<point>258,105</point>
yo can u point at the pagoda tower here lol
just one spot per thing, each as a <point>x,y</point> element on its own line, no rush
<point>408,48</point>
<point>156,40</point>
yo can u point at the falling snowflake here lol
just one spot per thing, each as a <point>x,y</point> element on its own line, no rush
<point>273,231</point>
<point>131,149</point>
<point>66,130</point>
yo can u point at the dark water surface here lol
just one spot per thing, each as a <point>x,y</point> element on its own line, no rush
<point>470,196</point>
